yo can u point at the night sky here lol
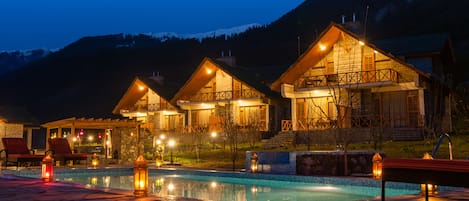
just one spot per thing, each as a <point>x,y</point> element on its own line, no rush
<point>52,24</point>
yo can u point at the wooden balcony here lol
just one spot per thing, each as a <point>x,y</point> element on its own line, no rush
<point>360,77</point>
<point>223,95</point>
<point>356,121</point>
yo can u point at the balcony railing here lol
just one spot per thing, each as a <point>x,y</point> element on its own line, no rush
<point>224,95</point>
<point>359,77</point>
<point>150,107</point>
<point>356,121</point>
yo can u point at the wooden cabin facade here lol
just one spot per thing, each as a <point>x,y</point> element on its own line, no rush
<point>147,101</point>
<point>218,95</point>
<point>343,82</point>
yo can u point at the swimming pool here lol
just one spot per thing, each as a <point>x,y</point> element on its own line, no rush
<point>233,186</point>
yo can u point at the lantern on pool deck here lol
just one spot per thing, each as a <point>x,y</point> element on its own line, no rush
<point>94,160</point>
<point>377,161</point>
<point>140,176</point>
<point>254,162</point>
<point>47,173</point>
<point>432,188</point>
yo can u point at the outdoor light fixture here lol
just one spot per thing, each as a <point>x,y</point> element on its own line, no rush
<point>158,163</point>
<point>254,162</point>
<point>47,173</point>
<point>377,161</point>
<point>428,189</point>
<point>213,135</point>
<point>322,47</point>
<point>94,181</point>
<point>171,144</point>
<point>94,160</point>
<point>140,176</point>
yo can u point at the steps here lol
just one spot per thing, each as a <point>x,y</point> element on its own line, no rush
<point>283,139</point>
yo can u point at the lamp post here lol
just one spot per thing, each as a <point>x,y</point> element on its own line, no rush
<point>140,176</point>
<point>213,135</point>
<point>171,144</point>
<point>377,161</point>
<point>159,154</point>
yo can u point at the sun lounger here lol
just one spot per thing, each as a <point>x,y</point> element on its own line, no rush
<point>16,152</point>
<point>60,150</point>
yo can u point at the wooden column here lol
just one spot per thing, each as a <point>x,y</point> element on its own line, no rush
<point>47,138</point>
<point>29,138</point>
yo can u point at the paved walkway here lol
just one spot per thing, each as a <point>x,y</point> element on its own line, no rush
<point>14,188</point>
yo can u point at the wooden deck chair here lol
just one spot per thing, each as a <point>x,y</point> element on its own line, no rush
<point>60,151</point>
<point>17,152</point>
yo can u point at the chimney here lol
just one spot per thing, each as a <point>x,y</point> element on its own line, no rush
<point>343,19</point>
<point>157,78</point>
<point>354,25</point>
<point>230,60</point>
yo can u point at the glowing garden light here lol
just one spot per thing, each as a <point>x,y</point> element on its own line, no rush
<point>377,161</point>
<point>140,176</point>
<point>47,173</point>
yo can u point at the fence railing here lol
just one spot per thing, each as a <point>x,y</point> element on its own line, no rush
<point>356,121</point>
<point>224,95</point>
<point>359,77</point>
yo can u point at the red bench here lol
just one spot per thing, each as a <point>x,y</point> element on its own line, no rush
<point>423,171</point>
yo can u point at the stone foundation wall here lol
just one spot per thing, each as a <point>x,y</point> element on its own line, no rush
<point>327,163</point>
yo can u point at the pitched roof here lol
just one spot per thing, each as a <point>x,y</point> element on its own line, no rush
<point>15,114</point>
<point>134,92</point>
<point>252,77</point>
<point>409,45</point>
<point>200,77</point>
<point>315,52</point>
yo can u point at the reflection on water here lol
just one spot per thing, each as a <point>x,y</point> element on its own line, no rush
<point>231,189</point>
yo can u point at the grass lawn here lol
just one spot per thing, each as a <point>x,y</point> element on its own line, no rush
<point>220,158</point>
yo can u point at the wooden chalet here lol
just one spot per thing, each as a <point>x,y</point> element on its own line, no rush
<point>220,93</point>
<point>147,101</point>
<point>342,81</point>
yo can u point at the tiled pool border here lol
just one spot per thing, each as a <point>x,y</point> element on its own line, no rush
<point>333,180</point>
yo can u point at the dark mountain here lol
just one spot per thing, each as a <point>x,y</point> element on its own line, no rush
<point>88,77</point>
<point>13,60</point>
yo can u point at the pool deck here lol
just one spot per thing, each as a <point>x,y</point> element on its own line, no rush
<point>14,188</point>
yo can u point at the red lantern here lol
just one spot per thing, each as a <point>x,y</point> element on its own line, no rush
<point>47,173</point>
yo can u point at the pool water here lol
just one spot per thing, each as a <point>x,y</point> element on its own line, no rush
<point>232,186</point>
